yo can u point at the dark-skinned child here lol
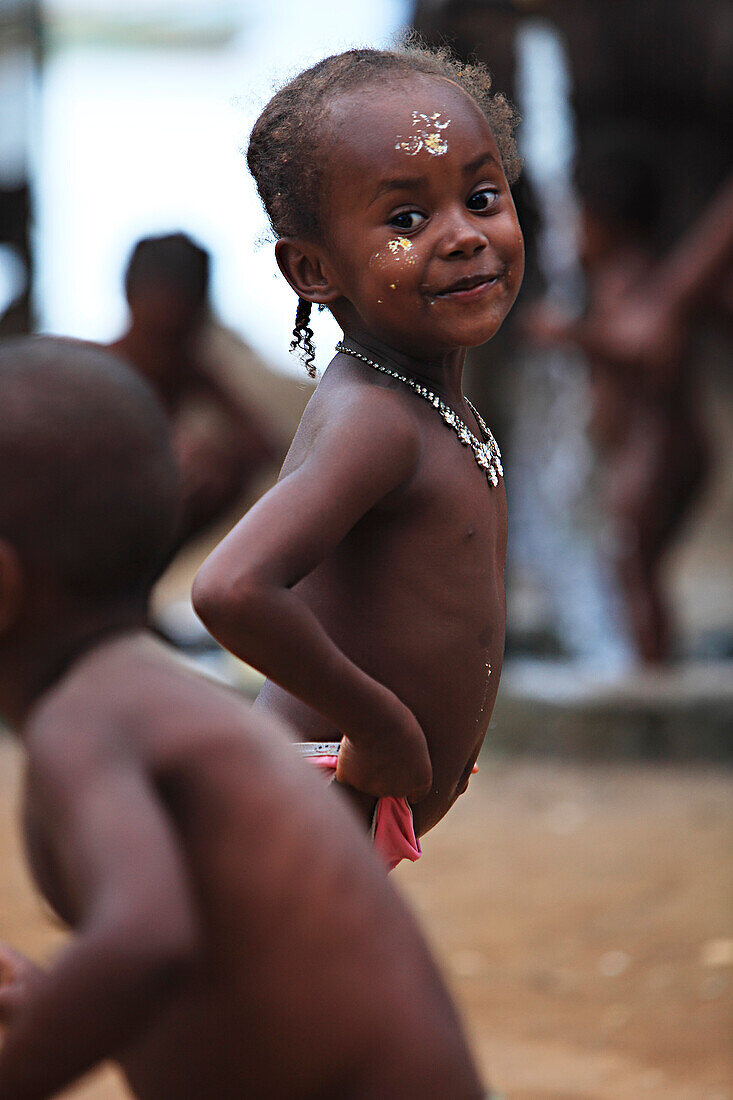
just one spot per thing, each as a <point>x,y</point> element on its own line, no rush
<point>233,933</point>
<point>368,584</point>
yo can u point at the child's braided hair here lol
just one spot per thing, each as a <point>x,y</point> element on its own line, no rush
<point>283,147</point>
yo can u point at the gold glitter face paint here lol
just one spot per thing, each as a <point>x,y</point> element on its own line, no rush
<point>399,249</point>
<point>427,135</point>
<point>400,244</point>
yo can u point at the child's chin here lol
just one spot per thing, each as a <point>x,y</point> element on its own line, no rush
<point>481,334</point>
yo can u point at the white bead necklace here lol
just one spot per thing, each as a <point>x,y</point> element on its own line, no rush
<point>486,451</point>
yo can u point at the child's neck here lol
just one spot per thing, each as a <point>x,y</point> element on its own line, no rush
<point>443,375</point>
<point>34,666</point>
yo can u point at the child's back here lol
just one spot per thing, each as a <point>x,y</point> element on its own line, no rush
<point>311,979</point>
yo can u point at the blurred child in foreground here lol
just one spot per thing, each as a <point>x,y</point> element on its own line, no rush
<point>226,945</point>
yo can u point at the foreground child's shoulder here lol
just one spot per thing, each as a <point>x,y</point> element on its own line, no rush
<point>66,749</point>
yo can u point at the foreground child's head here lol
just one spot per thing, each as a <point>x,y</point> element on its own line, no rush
<point>89,487</point>
<point>384,175</point>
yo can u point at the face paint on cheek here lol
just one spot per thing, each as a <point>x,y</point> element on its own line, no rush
<point>399,244</point>
<point>427,135</point>
<point>398,249</point>
<point>401,249</point>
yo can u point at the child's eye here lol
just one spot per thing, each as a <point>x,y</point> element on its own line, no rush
<point>483,200</point>
<point>407,219</point>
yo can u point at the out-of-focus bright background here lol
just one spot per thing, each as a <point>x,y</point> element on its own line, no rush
<point>579,897</point>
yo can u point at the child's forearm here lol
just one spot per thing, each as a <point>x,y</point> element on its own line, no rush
<point>85,1010</point>
<point>274,631</point>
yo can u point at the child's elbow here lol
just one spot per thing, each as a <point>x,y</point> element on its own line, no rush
<point>216,597</point>
<point>206,595</point>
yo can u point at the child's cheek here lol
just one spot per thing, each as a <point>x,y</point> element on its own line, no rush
<point>396,254</point>
<point>392,260</point>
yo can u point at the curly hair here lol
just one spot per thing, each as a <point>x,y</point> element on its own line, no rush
<point>283,147</point>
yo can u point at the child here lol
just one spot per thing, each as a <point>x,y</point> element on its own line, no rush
<point>646,419</point>
<point>368,584</point>
<point>226,946</point>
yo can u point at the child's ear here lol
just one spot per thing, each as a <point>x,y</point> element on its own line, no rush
<point>302,265</point>
<point>11,585</point>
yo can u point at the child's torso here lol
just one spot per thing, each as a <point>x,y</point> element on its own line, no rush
<point>414,595</point>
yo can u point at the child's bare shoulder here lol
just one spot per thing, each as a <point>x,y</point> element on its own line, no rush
<point>365,417</point>
<point>69,737</point>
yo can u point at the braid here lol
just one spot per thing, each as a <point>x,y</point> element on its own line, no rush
<point>303,336</point>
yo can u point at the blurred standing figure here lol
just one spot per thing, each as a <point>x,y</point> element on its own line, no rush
<point>221,444</point>
<point>646,422</point>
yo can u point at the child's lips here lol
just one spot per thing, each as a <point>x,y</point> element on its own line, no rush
<point>470,288</point>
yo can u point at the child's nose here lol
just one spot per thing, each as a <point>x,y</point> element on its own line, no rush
<point>462,237</point>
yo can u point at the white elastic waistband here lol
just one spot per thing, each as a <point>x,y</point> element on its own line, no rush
<point>318,748</point>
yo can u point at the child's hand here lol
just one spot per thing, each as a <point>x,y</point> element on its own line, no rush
<point>397,765</point>
<point>16,974</point>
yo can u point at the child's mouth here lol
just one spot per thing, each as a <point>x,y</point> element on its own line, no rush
<point>470,288</point>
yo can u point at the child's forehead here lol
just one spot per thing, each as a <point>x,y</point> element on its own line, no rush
<point>402,121</point>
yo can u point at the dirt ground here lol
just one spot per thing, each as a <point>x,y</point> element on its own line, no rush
<point>582,915</point>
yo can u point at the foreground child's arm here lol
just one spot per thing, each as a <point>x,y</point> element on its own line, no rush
<point>363,450</point>
<point>116,858</point>
<point>17,974</point>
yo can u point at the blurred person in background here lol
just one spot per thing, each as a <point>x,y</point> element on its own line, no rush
<point>220,441</point>
<point>691,286</point>
<point>646,422</point>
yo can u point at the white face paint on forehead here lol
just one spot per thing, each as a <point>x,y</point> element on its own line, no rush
<point>427,135</point>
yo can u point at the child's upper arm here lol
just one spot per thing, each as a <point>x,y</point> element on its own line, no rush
<point>361,450</point>
<point>113,846</point>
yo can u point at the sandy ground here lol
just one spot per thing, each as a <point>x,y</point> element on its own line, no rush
<point>583,916</point>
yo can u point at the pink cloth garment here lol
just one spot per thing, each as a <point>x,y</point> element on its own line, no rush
<point>393,829</point>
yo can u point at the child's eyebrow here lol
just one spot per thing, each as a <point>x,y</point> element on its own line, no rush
<point>474,165</point>
<point>407,183</point>
<point>401,183</point>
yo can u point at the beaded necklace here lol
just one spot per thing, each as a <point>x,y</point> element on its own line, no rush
<point>486,451</point>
